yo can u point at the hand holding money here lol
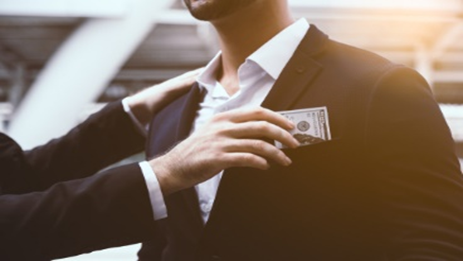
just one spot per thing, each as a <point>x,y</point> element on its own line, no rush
<point>312,126</point>
<point>230,139</point>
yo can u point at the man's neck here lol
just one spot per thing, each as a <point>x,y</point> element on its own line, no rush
<point>243,33</point>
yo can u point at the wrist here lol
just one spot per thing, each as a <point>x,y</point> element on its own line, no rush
<point>165,173</point>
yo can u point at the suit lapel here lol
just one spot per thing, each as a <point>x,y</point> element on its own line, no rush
<point>183,115</point>
<point>188,112</point>
<point>300,71</point>
<point>295,79</point>
<point>292,83</point>
<point>184,128</point>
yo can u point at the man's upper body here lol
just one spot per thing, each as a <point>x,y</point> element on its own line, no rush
<point>386,187</point>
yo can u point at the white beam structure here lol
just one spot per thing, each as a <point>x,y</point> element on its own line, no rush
<point>446,40</point>
<point>183,17</point>
<point>448,76</point>
<point>454,117</point>
<point>439,10</point>
<point>381,4</point>
<point>177,17</point>
<point>65,8</point>
<point>5,112</point>
<point>424,63</point>
<point>79,71</point>
<point>18,84</point>
<point>148,74</point>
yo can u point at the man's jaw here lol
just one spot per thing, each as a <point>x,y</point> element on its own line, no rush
<point>194,3</point>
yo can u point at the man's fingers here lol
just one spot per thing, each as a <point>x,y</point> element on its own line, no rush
<point>257,114</point>
<point>261,148</point>
<point>262,129</point>
<point>242,159</point>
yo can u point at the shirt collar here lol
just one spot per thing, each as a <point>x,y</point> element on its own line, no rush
<point>207,78</point>
<point>271,56</point>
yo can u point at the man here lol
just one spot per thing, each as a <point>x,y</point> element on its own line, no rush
<point>51,207</point>
<point>387,186</point>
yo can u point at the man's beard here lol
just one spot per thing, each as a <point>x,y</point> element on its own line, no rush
<point>209,10</point>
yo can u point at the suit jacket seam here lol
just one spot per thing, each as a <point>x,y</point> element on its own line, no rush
<point>387,71</point>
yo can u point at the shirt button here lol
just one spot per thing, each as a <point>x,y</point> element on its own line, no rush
<point>206,207</point>
<point>224,109</point>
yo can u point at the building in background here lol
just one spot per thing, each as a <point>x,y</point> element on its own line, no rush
<point>62,59</point>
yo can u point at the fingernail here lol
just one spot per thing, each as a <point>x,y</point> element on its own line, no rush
<point>291,125</point>
<point>288,161</point>
<point>295,143</point>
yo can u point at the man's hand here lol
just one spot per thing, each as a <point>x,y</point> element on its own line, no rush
<point>230,139</point>
<point>146,103</point>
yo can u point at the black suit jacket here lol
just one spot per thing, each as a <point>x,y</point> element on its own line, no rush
<point>42,217</point>
<point>386,187</point>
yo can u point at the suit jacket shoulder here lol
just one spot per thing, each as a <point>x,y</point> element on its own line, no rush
<point>386,187</point>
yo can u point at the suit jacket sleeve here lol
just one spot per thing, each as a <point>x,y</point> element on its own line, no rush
<point>415,172</point>
<point>43,217</point>
<point>105,210</point>
<point>104,138</point>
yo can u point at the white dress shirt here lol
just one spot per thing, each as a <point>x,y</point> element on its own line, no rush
<point>256,77</point>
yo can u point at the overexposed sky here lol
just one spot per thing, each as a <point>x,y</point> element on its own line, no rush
<point>405,4</point>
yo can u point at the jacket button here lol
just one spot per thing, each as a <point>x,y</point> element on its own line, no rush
<point>215,257</point>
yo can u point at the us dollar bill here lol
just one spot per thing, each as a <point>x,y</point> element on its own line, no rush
<point>311,125</point>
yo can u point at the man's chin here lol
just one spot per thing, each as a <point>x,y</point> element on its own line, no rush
<point>199,9</point>
<point>204,13</point>
<point>213,10</point>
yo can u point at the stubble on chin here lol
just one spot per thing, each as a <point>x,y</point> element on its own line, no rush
<point>204,10</point>
<point>209,10</point>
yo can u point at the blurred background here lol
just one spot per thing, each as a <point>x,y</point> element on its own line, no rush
<point>60,60</point>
